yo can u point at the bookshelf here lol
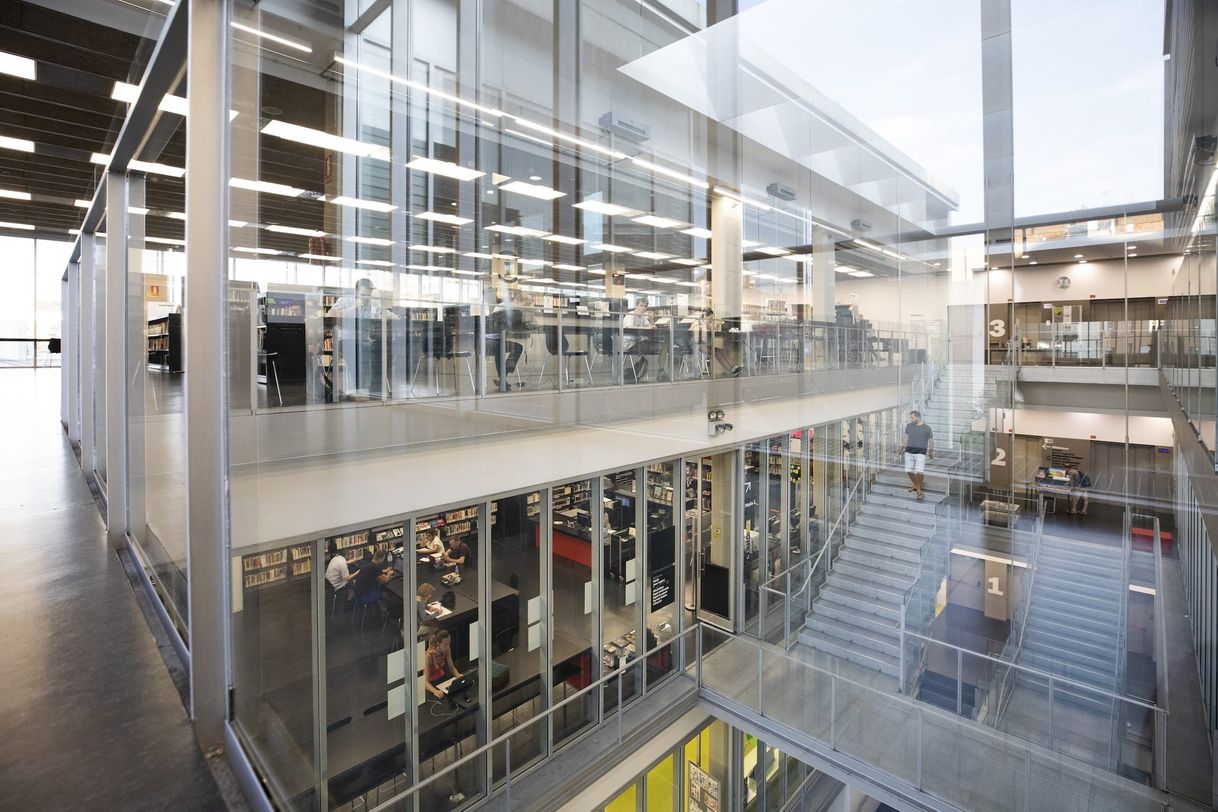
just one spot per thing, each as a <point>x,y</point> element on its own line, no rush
<point>164,337</point>
<point>533,504</point>
<point>570,496</point>
<point>281,318</point>
<point>454,523</point>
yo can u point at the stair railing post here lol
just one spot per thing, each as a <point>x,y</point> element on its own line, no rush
<point>901,653</point>
<point>787,632</point>
<point>1052,699</point>
<point>960,682</point>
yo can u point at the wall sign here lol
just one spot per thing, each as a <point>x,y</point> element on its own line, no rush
<point>703,790</point>
<point>661,588</point>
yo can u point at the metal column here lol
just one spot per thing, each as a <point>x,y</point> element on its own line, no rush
<point>115,327</point>
<point>207,137</point>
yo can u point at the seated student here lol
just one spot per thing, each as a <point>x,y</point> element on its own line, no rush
<point>457,552</point>
<point>434,546</point>
<point>371,579</point>
<point>638,319</point>
<point>423,597</point>
<point>338,573</point>
<point>504,319</point>
<point>439,661</point>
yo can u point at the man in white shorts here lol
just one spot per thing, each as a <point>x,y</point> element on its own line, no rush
<point>919,446</point>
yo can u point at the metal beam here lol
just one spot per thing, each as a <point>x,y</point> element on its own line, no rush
<point>114,325</point>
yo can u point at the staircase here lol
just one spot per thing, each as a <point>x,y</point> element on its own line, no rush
<point>856,617</point>
<point>940,691</point>
<point>958,398</point>
<point>1073,631</point>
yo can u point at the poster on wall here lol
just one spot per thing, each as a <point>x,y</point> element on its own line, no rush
<point>156,287</point>
<point>703,790</point>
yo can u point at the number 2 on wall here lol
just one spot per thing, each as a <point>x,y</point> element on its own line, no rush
<point>1000,458</point>
<point>998,328</point>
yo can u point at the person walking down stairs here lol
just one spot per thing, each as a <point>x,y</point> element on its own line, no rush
<point>919,446</point>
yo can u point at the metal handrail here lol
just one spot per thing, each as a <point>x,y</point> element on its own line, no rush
<point>1162,690</point>
<point>1025,601</point>
<point>925,555</point>
<point>505,738</point>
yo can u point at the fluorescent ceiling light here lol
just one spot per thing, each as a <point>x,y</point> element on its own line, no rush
<point>321,257</point>
<point>267,251</point>
<point>356,203</point>
<point>612,249</point>
<point>608,209</point>
<point>231,223</point>
<point>703,233</point>
<point>652,255</point>
<point>535,190</point>
<point>153,168</point>
<point>125,92</point>
<point>139,211</point>
<point>561,136</point>
<point>380,263</point>
<point>1082,262</point>
<point>479,255</point>
<point>176,215</point>
<point>82,204</point>
<point>462,272</point>
<point>1078,256</point>
<point>559,238</point>
<point>433,249</point>
<point>1134,254</point>
<point>845,269</point>
<point>868,244</point>
<point>1130,247</point>
<point>861,274</point>
<point>519,231</point>
<point>568,267</point>
<point>690,262</point>
<point>796,257</point>
<point>164,241</point>
<point>445,168</point>
<point>534,263</point>
<point>749,243</point>
<point>18,226</point>
<point>757,204</point>
<point>427,268</point>
<point>371,241</point>
<point>265,187</point>
<point>325,140</point>
<point>772,251</point>
<point>18,66</point>
<point>293,44</point>
<point>1033,262</point>
<point>691,284</point>
<point>597,271</point>
<point>19,144</point>
<point>292,229</point>
<point>340,59</point>
<point>439,217</point>
<point>11,194</point>
<point>656,222</point>
<point>663,170</point>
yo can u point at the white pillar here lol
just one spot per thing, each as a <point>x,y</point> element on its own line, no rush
<point>115,326</point>
<point>824,274</point>
<point>727,257</point>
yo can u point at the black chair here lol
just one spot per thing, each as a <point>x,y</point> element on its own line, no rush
<point>431,337</point>
<point>566,353</point>
<point>460,341</point>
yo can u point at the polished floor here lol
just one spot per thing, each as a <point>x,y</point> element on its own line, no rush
<point>89,713</point>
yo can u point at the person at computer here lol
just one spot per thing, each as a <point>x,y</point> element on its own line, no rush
<point>433,546</point>
<point>638,319</point>
<point>440,666</point>
<point>370,580</point>
<point>457,552</point>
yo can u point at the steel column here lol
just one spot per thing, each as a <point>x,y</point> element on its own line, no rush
<point>115,328</point>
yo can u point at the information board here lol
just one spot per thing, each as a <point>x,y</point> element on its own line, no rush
<point>703,790</point>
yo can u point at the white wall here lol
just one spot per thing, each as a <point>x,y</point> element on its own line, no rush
<point>1110,428</point>
<point>914,297</point>
<point>1103,279</point>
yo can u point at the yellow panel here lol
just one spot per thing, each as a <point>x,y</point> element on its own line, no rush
<point>660,786</point>
<point>623,803</point>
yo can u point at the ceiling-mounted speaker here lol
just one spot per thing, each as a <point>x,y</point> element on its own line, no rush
<point>781,191</point>
<point>621,126</point>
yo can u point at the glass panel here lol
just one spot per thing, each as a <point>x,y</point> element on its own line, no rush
<point>660,591</point>
<point>519,628</point>
<point>754,546</point>
<point>17,305</point>
<point>574,600</point>
<point>661,787</point>
<point>622,576</point>
<point>51,258</point>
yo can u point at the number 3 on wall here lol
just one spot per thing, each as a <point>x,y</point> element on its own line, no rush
<point>998,328</point>
<point>1000,457</point>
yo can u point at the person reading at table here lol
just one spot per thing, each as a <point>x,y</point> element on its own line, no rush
<point>371,579</point>
<point>426,610</point>
<point>338,571</point>
<point>434,546</point>
<point>457,553</point>
<point>440,666</point>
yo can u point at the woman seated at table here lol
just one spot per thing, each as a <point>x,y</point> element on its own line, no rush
<point>426,610</point>
<point>440,665</point>
<point>433,547</point>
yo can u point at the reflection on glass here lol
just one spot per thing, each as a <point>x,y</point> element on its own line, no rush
<point>621,609</point>
<point>574,602</point>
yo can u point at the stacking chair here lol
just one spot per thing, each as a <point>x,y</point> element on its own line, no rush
<point>566,353</point>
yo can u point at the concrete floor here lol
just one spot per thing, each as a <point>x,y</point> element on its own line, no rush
<point>90,716</point>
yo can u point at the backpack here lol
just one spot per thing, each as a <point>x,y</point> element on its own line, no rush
<point>1084,481</point>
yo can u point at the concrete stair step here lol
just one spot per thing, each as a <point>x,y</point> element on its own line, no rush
<point>1086,569</point>
<point>896,496</point>
<point>853,601</point>
<point>1101,636</point>
<point>898,513</point>
<point>894,524</point>
<point>843,649</point>
<point>886,537</point>
<point>878,593</point>
<point>1094,702</point>
<point>882,550</point>
<point>1046,604</point>
<point>879,625</point>
<point>875,575</point>
<point>1070,654</point>
<point>1077,672</point>
<point>856,635</point>
<point>904,569</point>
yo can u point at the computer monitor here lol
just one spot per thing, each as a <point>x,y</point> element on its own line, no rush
<point>1057,473</point>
